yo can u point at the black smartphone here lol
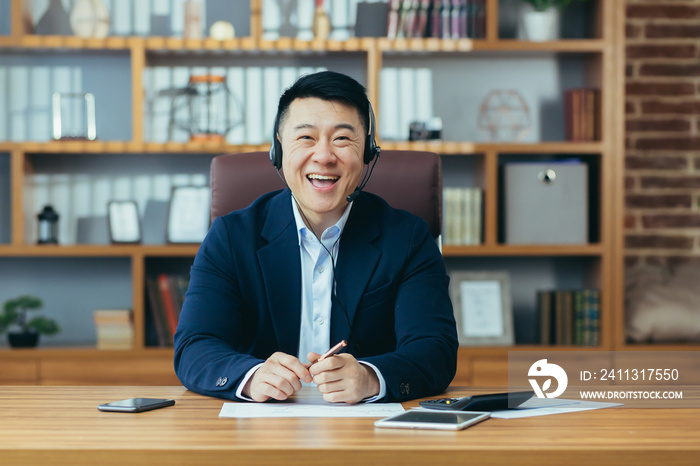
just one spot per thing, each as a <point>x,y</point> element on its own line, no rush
<point>136,405</point>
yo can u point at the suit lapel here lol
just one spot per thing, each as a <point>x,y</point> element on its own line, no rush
<point>280,264</point>
<point>357,259</point>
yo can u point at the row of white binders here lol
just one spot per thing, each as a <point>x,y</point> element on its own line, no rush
<point>462,216</point>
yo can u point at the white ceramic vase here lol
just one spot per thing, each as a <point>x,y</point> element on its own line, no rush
<point>539,26</point>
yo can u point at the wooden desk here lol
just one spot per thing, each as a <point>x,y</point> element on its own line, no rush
<point>61,425</point>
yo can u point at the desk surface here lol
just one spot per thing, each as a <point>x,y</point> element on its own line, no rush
<point>61,425</point>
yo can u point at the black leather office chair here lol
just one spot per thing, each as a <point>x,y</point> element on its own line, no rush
<point>408,180</point>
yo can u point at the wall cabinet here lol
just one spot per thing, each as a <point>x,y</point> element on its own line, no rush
<point>137,157</point>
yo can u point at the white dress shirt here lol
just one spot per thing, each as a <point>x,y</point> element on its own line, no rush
<point>317,269</point>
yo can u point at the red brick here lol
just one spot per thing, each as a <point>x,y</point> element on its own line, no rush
<point>672,182</point>
<point>630,182</point>
<point>632,31</point>
<point>657,125</point>
<point>631,261</point>
<point>681,143</point>
<point>661,51</point>
<point>656,88</point>
<point>659,10</point>
<point>631,107</point>
<point>629,71</point>
<point>630,221</point>
<point>696,164</point>
<point>674,108</point>
<point>671,221</point>
<point>648,201</point>
<point>672,31</point>
<point>656,162</point>
<point>658,242</point>
<point>666,69</point>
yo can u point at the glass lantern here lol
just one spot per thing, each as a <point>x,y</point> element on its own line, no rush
<point>48,226</point>
<point>209,103</point>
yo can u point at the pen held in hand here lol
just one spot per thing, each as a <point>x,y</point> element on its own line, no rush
<point>329,353</point>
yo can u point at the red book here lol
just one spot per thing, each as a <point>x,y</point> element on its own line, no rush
<point>170,313</point>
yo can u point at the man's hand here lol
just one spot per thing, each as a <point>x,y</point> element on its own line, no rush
<point>278,378</point>
<point>341,378</point>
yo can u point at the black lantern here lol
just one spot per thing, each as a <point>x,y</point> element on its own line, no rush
<point>48,226</point>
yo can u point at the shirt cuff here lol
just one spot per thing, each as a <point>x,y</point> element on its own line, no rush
<point>248,375</point>
<point>382,384</point>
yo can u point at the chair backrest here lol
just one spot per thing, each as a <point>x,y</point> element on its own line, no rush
<point>408,180</point>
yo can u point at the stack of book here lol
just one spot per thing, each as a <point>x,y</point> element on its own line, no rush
<point>581,110</point>
<point>166,293</point>
<point>115,329</point>
<point>569,317</point>
<point>445,19</point>
<point>462,213</point>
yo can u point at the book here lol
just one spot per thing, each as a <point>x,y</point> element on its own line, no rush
<point>112,316</point>
<point>568,317</point>
<point>158,313</point>
<point>114,329</point>
<point>544,312</point>
<point>393,19</point>
<point>171,314</point>
<point>476,215</point>
<point>581,108</point>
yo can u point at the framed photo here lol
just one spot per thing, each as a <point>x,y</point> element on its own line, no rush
<point>124,224</point>
<point>188,214</point>
<point>483,308</point>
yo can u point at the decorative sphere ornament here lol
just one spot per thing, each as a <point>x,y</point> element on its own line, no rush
<point>504,116</point>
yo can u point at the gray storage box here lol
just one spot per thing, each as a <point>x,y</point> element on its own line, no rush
<point>546,203</point>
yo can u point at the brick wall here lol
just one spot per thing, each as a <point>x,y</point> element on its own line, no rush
<point>662,164</point>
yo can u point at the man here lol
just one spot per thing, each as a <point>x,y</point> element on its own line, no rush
<point>276,284</point>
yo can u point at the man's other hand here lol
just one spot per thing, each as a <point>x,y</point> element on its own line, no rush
<point>342,379</point>
<point>278,378</point>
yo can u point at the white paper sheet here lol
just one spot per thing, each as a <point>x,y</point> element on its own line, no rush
<point>545,407</point>
<point>309,403</point>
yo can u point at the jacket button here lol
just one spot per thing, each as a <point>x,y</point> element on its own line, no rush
<point>221,381</point>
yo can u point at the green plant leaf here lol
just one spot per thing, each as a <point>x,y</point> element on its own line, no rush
<point>44,325</point>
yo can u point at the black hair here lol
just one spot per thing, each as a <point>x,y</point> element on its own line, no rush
<point>326,85</point>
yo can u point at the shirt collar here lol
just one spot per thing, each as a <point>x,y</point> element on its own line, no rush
<point>333,230</point>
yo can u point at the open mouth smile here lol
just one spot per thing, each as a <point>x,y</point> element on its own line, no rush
<point>322,181</point>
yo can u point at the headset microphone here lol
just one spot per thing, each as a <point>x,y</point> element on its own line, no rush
<point>353,195</point>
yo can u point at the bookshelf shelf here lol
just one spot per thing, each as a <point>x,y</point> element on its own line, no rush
<point>594,250</point>
<point>462,148</point>
<point>431,45</point>
<point>98,251</point>
<point>597,62</point>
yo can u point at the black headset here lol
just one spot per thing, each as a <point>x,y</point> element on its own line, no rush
<point>371,148</point>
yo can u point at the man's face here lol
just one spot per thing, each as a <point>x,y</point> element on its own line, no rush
<point>322,145</point>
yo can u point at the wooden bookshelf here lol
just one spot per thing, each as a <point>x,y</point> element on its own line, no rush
<point>604,68</point>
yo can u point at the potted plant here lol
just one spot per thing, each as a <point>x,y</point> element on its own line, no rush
<point>21,331</point>
<point>540,19</point>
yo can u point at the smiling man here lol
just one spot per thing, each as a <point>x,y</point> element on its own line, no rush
<point>275,285</point>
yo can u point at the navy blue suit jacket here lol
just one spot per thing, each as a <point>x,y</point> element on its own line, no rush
<point>244,298</point>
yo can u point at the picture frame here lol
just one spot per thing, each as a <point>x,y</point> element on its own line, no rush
<point>123,221</point>
<point>483,308</point>
<point>188,214</point>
